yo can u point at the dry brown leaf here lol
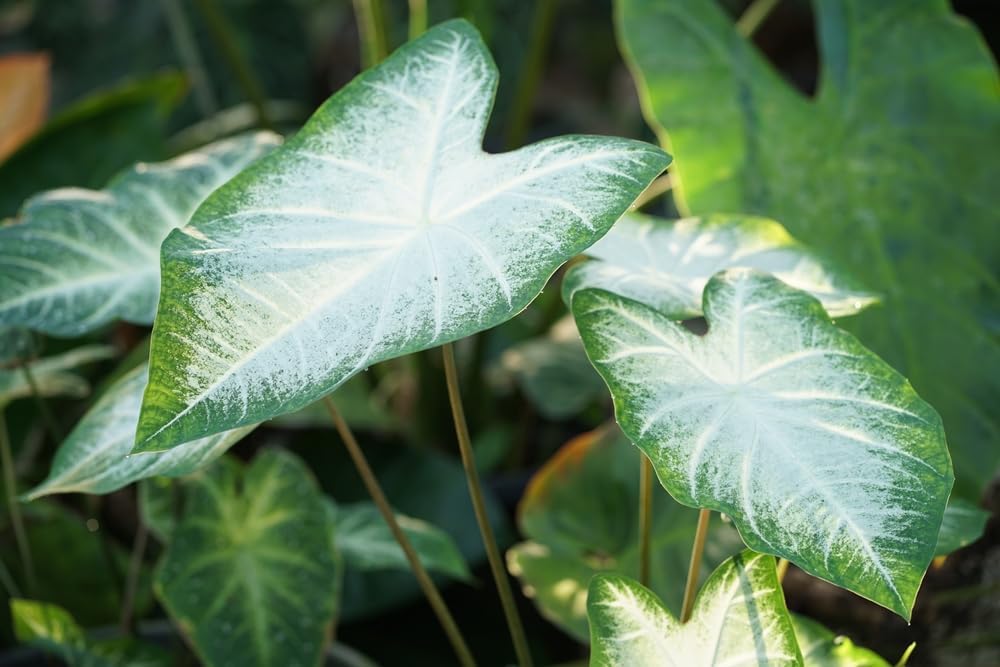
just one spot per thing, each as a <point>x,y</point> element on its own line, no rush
<point>24,98</point>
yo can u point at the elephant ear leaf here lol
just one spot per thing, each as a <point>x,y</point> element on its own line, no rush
<point>818,450</point>
<point>76,259</point>
<point>739,618</point>
<point>380,229</point>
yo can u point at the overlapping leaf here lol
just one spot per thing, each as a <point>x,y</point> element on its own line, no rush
<point>666,264</point>
<point>890,169</point>
<point>249,574</point>
<point>819,451</point>
<point>739,620</point>
<point>77,259</point>
<point>52,376</point>
<point>94,458</point>
<point>963,524</point>
<point>822,648</point>
<point>380,229</point>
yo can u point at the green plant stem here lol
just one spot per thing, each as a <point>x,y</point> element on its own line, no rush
<point>132,577</point>
<point>691,587</point>
<point>661,185</point>
<point>371,31</point>
<point>43,408</point>
<point>378,496</point>
<point>782,569</point>
<point>418,18</point>
<point>754,16</point>
<point>8,583</point>
<point>531,73</point>
<point>225,37</point>
<point>905,658</point>
<point>14,507</point>
<point>479,506</point>
<point>187,50</point>
<point>645,517</point>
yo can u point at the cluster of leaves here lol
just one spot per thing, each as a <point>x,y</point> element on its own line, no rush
<point>267,292</point>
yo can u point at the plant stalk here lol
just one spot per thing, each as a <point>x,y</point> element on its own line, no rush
<point>645,516</point>
<point>132,578</point>
<point>782,569</point>
<point>187,50</point>
<point>691,587</point>
<point>43,408</point>
<point>13,506</point>
<point>479,506</point>
<point>661,185</point>
<point>754,16</point>
<point>531,73</point>
<point>225,37</point>
<point>378,496</point>
<point>418,18</point>
<point>371,31</point>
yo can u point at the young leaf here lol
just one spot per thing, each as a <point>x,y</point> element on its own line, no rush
<point>94,458</point>
<point>818,450</point>
<point>380,229</point>
<point>822,648</point>
<point>52,629</point>
<point>366,543</point>
<point>249,575</point>
<point>962,525</point>
<point>580,514</point>
<point>78,259</point>
<point>890,168</point>
<point>739,618</point>
<point>51,374</point>
<point>666,264</point>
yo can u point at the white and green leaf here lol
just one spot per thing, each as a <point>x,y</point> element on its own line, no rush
<point>739,619</point>
<point>364,540</point>
<point>818,450</point>
<point>52,375</point>
<point>666,263</point>
<point>380,229</point>
<point>822,648</point>
<point>249,574</point>
<point>95,458</point>
<point>963,524</point>
<point>76,259</point>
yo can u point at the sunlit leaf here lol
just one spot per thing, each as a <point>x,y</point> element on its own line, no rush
<point>818,450</point>
<point>380,229</point>
<point>249,575</point>
<point>77,259</point>
<point>739,619</point>
<point>24,80</point>
<point>666,264</point>
<point>52,375</point>
<point>822,648</point>
<point>580,513</point>
<point>52,629</point>
<point>366,543</point>
<point>962,525</point>
<point>889,169</point>
<point>94,458</point>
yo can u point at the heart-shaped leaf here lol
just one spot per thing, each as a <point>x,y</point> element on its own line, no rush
<point>51,375</point>
<point>249,575</point>
<point>380,229</point>
<point>77,259</point>
<point>818,450</point>
<point>739,619</point>
<point>580,513</point>
<point>666,264</point>
<point>94,458</point>
<point>890,168</point>
<point>963,524</point>
<point>822,648</point>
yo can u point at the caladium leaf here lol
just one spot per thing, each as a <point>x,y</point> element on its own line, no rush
<point>666,263</point>
<point>94,458</point>
<point>77,259</point>
<point>818,450</point>
<point>822,648</point>
<point>890,168</point>
<point>249,575</point>
<point>366,543</point>
<point>963,524</point>
<point>380,229</point>
<point>739,619</point>
<point>52,375</point>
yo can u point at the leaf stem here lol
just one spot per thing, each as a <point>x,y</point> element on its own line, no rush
<point>661,185</point>
<point>645,516</point>
<point>43,408</point>
<point>371,31</point>
<point>378,496</point>
<point>691,587</point>
<point>754,16</point>
<point>782,569</point>
<point>132,577</point>
<point>13,506</point>
<point>418,18</point>
<point>479,506</point>
<point>225,37</point>
<point>187,50</point>
<point>531,73</point>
